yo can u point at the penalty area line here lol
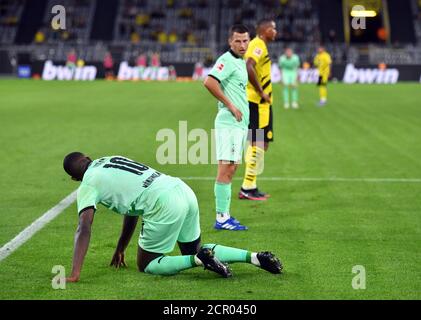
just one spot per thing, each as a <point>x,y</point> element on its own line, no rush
<point>37,225</point>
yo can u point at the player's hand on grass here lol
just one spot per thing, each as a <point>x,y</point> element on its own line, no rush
<point>236,113</point>
<point>118,260</point>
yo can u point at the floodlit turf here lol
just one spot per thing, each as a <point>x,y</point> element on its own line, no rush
<point>320,229</point>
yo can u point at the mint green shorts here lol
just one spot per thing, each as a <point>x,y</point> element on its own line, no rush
<point>289,78</point>
<point>230,143</point>
<point>175,217</point>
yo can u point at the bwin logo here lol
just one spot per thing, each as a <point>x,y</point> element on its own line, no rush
<point>52,72</point>
<point>359,75</point>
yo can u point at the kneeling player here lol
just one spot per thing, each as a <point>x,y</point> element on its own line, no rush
<point>169,211</point>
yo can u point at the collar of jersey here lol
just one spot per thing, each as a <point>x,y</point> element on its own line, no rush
<point>87,167</point>
<point>234,54</point>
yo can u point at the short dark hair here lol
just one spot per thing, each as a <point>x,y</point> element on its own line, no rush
<point>70,164</point>
<point>263,22</point>
<point>238,28</point>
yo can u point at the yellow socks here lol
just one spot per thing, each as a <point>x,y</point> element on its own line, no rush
<point>323,93</point>
<point>254,165</point>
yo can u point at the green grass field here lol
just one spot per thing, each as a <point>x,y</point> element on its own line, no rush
<point>319,228</point>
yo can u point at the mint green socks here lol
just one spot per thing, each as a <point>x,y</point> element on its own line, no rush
<point>228,254</point>
<point>222,197</point>
<point>286,95</point>
<point>294,94</point>
<point>170,265</point>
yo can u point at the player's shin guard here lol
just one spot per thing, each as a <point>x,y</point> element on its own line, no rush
<point>168,265</point>
<point>254,159</point>
<point>228,254</point>
<point>222,197</point>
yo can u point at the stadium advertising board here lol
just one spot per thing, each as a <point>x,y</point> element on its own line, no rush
<point>127,72</point>
<point>365,74</point>
<point>370,75</point>
<point>347,73</point>
<point>58,72</point>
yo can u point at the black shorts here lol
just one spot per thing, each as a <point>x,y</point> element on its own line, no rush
<point>260,120</point>
<point>322,81</point>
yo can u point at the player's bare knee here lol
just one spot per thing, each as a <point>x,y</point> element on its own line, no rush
<point>229,175</point>
<point>144,258</point>
<point>226,173</point>
<point>140,266</point>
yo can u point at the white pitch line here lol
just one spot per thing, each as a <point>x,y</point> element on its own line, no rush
<point>333,179</point>
<point>37,225</point>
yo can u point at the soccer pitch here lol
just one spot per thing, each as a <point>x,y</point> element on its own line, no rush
<point>345,182</point>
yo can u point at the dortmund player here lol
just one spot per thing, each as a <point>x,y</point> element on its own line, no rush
<point>259,94</point>
<point>227,82</point>
<point>169,211</point>
<point>323,61</point>
<point>289,64</point>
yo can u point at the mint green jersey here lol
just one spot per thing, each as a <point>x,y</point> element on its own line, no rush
<point>122,185</point>
<point>289,64</point>
<point>231,72</point>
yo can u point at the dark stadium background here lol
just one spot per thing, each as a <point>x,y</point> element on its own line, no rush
<point>187,32</point>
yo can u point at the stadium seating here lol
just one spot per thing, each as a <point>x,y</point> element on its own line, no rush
<point>189,31</point>
<point>10,14</point>
<point>78,15</point>
<point>416,7</point>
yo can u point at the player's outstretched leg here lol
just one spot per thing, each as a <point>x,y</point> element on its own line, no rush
<point>269,262</point>
<point>171,265</point>
<point>210,262</point>
<point>265,260</point>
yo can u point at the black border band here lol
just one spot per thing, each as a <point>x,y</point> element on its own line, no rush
<point>212,76</point>
<point>87,208</point>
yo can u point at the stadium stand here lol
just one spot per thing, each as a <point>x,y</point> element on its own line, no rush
<point>416,7</point>
<point>187,31</point>
<point>78,15</point>
<point>10,15</point>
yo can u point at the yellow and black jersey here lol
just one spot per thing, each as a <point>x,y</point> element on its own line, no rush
<point>258,51</point>
<point>322,62</point>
